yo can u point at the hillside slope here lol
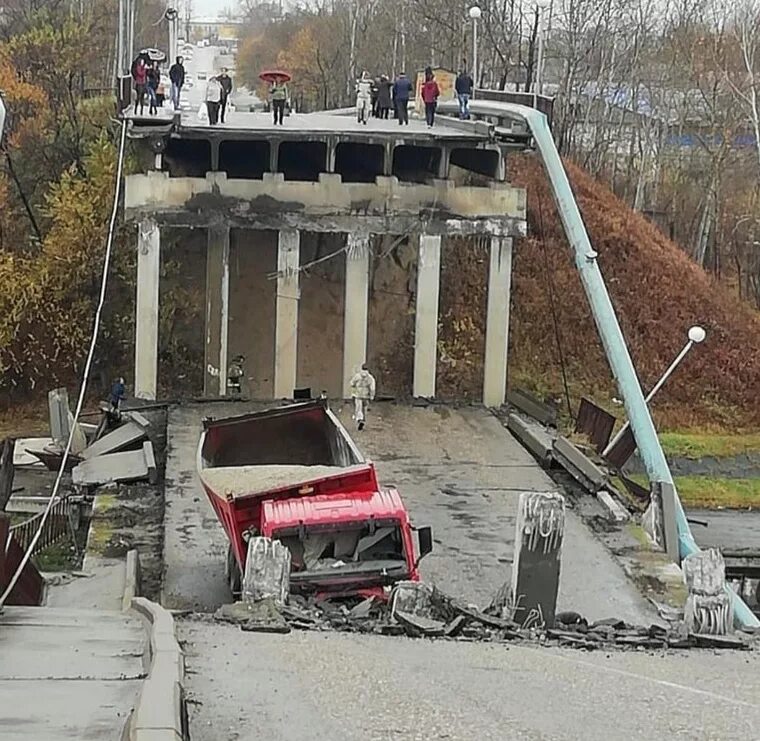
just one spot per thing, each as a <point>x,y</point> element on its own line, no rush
<point>658,293</point>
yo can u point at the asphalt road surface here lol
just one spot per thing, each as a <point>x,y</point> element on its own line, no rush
<point>461,472</point>
<point>321,687</point>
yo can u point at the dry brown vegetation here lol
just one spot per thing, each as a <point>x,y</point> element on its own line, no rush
<point>658,293</point>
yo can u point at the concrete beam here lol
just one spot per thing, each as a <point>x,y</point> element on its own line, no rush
<point>355,307</point>
<point>426,316</point>
<point>221,196</point>
<point>286,327</point>
<point>497,323</point>
<point>146,320</point>
<point>217,310</point>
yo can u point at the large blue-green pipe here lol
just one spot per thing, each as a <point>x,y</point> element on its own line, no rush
<point>609,330</point>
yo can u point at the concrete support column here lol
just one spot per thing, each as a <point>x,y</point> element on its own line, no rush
<point>355,307</point>
<point>217,310</point>
<point>426,315</point>
<point>146,319</point>
<point>286,327</point>
<point>497,322</point>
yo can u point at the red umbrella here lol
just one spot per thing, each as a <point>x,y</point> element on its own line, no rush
<point>273,75</point>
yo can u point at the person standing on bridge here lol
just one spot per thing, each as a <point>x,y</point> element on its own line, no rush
<point>402,89</point>
<point>383,97</point>
<point>154,78</point>
<point>363,97</point>
<point>213,100</point>
<point>140,76</point>
<point>226,82</point>
<point>177,77</point>
<point>430,93</point>
<point>279,95</point>
<point>363,391</point>
<point>463,85</point>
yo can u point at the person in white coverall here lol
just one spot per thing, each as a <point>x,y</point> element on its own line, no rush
<point>362,391</point>
<point>363,98</point>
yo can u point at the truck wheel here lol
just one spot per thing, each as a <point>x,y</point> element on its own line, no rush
<point>232,572</point>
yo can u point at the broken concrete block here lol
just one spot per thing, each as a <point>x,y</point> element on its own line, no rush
<point>121,438</point>
<point>536,438</point>
<point>616,512</point>
<point>58,406</point>
<point>150,462</point>
<point>539,532</point>
<point>709,608</point>
<point>135,416</point>
<point>127,466</point>
<point>578,465</point>
<point>267,571</point>
<point>412,597</point>
<point>417,625</point>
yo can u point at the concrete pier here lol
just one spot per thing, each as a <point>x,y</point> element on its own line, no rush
<point>146,320</point>
<point>426,316</point>
<point>286,328</point>
<point>355,307</point>
<point>497,322</point>
<point>217,310</point>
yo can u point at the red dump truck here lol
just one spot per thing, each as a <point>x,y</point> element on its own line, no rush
<point>293,474</point>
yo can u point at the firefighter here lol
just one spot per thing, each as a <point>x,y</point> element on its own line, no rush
<point>362,391</point>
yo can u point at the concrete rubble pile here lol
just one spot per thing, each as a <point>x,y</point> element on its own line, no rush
<point>417,610</point>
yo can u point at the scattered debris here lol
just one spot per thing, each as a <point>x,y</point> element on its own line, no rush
<point>418,610</point>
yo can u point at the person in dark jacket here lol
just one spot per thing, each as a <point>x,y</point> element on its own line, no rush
<point>177,77</point>
<point>118,393</point>
<point>463,85</point>
<point>226,82</point>
<point>402,89</point>
<point>383,97</point>
<point>154,78</point>
<point>430,93</point>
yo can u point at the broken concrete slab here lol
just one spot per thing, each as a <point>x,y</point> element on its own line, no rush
<point>538,439</point>
<point>121,438</point>
<point>533,407</point>
<point>615,511</point>
<point>418,625</point>
<point>129,465</point>
<point>135,416</point>
<point>579,465</point>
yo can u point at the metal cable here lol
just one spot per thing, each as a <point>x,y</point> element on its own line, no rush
<point>87,365</point>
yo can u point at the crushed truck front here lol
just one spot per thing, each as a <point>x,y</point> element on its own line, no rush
<point>293,474</point>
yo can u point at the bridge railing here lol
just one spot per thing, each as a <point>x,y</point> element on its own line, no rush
<point>542,103</point>
<point>30,586</point>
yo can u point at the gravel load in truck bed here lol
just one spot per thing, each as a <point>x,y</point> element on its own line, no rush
<point>242,480</point>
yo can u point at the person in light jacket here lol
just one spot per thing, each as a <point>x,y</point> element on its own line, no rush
<point>213,100</point>
<point>363,391</point>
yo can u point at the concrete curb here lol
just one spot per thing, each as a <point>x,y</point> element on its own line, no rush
<point>131,579</point>
<point>159,714</point>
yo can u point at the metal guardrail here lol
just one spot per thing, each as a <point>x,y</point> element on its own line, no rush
<point>30,586</point>
<point>542,103</point>
<point>58,524</point>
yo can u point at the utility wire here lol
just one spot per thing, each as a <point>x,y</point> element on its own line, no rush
<point>86,374</point>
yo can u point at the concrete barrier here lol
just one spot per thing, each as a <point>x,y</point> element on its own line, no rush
<point>159,714</point>
<point>131,579</point>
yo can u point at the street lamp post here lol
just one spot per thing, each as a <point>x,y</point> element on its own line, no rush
<point>538,88</point>
<point>475,13</point>
<point>695,336</point>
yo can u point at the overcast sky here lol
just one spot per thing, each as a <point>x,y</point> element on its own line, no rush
<point>211,7</point>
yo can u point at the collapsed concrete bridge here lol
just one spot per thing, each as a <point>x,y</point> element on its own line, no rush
<point>264,195</point>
